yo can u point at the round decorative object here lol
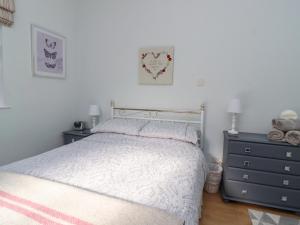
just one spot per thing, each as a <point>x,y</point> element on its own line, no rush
<point>289,115</point>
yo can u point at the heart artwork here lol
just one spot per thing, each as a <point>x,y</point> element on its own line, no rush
<point>156,64</point>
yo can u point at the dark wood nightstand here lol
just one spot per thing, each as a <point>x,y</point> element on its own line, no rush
<point>75,135</point>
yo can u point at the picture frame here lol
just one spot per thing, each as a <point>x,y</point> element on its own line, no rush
<point>48,53</point>
<point>156,66</point>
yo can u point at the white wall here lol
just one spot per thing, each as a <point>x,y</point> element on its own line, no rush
<point>41,108</point>
<point>246,48</point>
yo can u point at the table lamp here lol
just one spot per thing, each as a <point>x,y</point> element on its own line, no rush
<point>234,107</point>
<point>94,112</point>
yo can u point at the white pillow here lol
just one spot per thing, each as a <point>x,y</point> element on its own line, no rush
<point>170,130</point>
<point>121,126</point>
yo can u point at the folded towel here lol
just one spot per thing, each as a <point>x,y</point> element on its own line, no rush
<point>276,135</point>
<point>293,137</point>
<point>286,125</point>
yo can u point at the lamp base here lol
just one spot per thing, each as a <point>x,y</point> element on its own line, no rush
<point>233,132</point>
<point>94,121</point>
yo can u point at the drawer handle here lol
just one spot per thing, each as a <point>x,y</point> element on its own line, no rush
<point>287,168</point>
<point>244,192</point>
<point>289,154</point>
<point>73,140</point>
<point>286,182</point>
<point>247,150</point>
<point>245,176</point>
<point>246,163</point>
<point>284,198</point>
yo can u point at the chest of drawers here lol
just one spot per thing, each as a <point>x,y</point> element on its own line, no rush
<point>260,171</point>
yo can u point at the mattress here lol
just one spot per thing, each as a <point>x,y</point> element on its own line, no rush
<point>162,173</point>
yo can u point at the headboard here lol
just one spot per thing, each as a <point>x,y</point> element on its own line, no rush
<point>182,116</point>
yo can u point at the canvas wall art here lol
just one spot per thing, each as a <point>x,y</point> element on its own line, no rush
<point>156,66</point>
<point>48,53</point>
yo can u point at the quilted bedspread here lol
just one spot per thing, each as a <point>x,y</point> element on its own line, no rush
<point>162,173</point>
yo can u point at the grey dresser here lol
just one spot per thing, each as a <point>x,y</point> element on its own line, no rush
<point>260,171</point>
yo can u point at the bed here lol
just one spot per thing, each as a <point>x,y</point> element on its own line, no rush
<point>136,164</point>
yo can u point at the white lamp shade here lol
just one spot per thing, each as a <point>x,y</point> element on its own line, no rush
<point>94,110</point>
<point>234,106</point>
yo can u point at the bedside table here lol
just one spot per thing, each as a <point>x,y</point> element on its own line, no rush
<point>75,135</point>
<point>260,171</point>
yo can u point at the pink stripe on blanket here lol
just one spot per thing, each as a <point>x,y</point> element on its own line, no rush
<point>27,213</point>
<point>44,209</point>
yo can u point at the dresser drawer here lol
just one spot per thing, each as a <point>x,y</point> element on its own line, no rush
<point>264,164</point>
<point>263,194</point>
<point>264,150</point>
<point>258,177</point>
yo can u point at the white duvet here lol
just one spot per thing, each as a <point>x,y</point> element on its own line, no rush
<point>161,173</point>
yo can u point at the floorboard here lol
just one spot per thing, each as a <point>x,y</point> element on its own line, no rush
<point>216,212</point>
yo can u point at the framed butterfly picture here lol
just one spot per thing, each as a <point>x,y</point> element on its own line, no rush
<point>156,66</point>
<point>48,53</point>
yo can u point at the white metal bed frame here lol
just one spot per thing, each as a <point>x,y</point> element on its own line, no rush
<point>153,114</point>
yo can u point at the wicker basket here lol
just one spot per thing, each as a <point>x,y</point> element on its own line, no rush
<point>214,177</point>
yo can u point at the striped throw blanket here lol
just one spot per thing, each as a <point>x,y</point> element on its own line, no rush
<point>27,200</point>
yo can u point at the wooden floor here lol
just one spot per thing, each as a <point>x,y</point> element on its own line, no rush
<point>216,212</point>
